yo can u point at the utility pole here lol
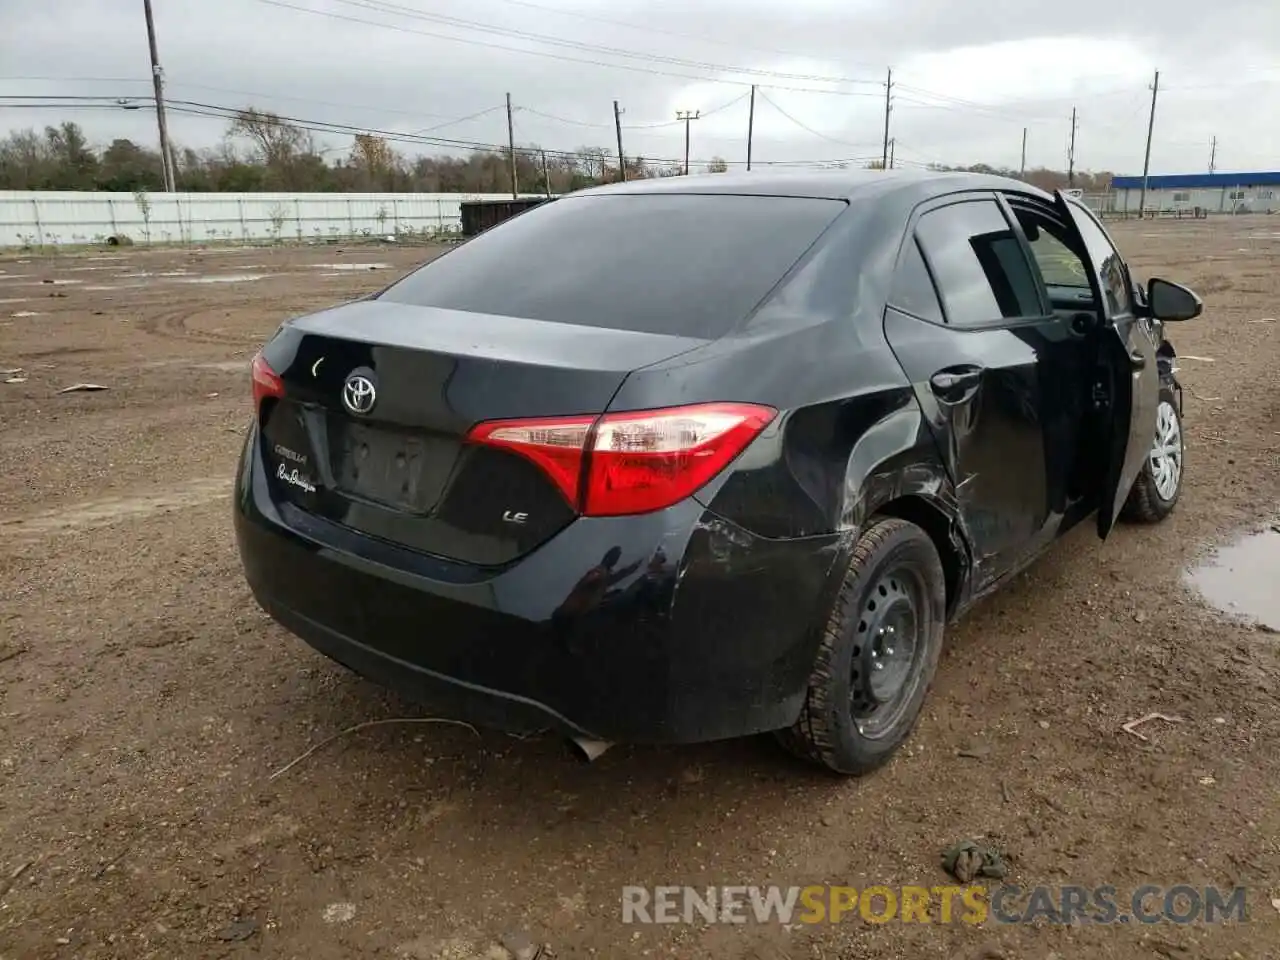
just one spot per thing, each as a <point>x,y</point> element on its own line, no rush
<point>1071,152</point>
<point>893,142</point>
<point>166,153</point>
<point>546,175</point>
<point>687,116</point>
<point>1022,171</point>
<point>511,147</point>
<point>1146,160</point>
<point>751,122</point>
<point>617,123</point>
<point>1213,155</point>
<point>888,107</point>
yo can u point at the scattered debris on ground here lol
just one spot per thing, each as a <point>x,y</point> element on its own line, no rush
<point>970,858</point>
<point>1132,725</point>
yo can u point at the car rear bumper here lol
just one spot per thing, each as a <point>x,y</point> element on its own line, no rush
<point>699,631</point>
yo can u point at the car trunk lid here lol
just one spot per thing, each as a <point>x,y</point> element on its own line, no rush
<point>391,459</point>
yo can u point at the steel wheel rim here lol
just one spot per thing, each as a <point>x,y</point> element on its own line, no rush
<point>1166,452</point>
<point>888,653</point>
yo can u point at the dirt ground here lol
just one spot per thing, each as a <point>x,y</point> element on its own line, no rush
<point>145,701</point>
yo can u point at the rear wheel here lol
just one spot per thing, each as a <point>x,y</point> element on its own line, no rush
<point>1158,486</point>
<point>878,653</point>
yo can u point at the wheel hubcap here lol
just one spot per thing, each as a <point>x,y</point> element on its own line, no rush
<point>1166,452</point>
<point>887,653</point>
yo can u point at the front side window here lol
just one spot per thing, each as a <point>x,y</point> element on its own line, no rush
<point>1112,273</point>
<point>978,262</point>
<point>1059,264</point>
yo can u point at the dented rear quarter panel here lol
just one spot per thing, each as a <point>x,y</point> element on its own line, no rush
<point>850,437</point>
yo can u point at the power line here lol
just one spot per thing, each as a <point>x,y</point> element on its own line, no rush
<point>555,56</point>
<point>215,111</point>
<point>75,80</point>
<point>322,103</point>
<point>401,10</point>
<point>670,33</point>
<point>452,123</point>
<point>630,126</point>
<point>804,126</point>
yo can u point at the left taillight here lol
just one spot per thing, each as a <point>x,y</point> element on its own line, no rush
<point>634,462</point>
<point>266,382</point>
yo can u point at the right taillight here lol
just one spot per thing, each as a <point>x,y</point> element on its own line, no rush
<point>266,382</point>
<point>636,462</point>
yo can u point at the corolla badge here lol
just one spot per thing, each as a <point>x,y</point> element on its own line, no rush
<point>359,394</point>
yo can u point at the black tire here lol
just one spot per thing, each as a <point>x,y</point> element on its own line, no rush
<point>896,560</point>
<point>1145,503</point>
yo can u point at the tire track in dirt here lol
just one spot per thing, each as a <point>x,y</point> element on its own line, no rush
<point>109,510</point>
<point>173,324</point>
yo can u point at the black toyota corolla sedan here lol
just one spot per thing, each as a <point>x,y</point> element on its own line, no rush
<point>701,457</point>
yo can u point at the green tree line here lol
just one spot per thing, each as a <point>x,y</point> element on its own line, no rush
<point>262,153</point>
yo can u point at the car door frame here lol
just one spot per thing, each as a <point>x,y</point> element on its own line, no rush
<point>1135,382</point>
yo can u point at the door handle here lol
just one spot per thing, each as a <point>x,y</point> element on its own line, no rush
<point>1137,360</point>
<point>946,383</point>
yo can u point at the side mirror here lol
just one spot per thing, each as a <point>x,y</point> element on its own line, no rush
<point>1169,301</point>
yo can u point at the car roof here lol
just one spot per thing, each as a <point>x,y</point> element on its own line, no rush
<point>835,184</point>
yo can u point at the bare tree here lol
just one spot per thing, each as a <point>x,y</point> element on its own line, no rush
<point>279,145</point>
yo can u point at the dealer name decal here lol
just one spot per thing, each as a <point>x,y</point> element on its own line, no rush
<point>294,478</point>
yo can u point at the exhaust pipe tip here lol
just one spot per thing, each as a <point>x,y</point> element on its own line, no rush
<point>590,750</point>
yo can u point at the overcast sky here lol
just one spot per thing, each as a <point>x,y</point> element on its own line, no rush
<point>968,76</point>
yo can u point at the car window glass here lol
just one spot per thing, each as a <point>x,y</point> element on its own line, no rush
<point>1112,275</point>
<point>913,289</point>
<point>1059,264</point>
<point>978,263</point>
<point>682,264</point>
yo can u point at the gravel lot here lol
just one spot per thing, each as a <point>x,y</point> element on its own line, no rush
<point>145,701</point>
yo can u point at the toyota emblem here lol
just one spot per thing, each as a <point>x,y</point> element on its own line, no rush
<point>359,394</point>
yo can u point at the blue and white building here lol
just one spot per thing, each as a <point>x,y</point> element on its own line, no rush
<point>1212,192</point>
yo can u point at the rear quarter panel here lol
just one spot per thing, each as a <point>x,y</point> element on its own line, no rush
<point>849,436</point>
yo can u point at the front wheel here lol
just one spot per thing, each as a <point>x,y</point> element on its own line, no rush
<point>878,653</point>
<point>1159,485</point>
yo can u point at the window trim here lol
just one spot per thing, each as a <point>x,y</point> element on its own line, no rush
<point>973,196</point>
<point>913,241</point>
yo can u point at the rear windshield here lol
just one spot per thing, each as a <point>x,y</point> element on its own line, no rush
<point>689,265</point>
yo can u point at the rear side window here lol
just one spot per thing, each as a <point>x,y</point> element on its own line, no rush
<point>688,265</point>
<point>913,289</point>
<point>978,262</point>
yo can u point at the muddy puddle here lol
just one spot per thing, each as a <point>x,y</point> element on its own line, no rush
<point>224,278</point>
<point>1240,578</point>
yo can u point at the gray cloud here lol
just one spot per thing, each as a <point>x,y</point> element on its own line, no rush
<point>968,80</point>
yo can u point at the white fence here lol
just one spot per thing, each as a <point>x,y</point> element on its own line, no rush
<point>56,217</point>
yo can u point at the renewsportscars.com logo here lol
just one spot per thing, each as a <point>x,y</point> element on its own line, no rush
<point>973,905</point>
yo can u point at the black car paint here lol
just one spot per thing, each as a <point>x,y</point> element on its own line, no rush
<point>699,621</point>
<point>479,368</point>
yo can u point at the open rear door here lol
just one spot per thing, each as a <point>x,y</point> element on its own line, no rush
<point>1129,345</point>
